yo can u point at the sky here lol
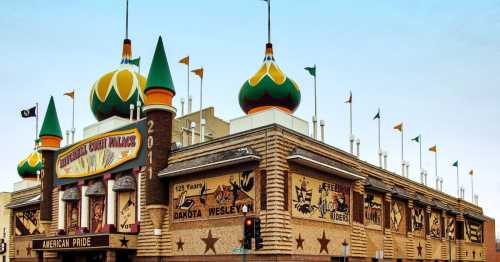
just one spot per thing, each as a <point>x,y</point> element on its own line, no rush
<point>430,64</point>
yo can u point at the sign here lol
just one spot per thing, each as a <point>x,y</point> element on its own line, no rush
<point>435,225</point>
<point>120,241</point>
<point>321,200</point>
<point>214,197</point>
<point>473,231</point>
<point>98,154</point>
<point>27,222</point>
<point>127,205</point>
<point>418,221</point>
<point>373,210</point>
<point>398,216</point>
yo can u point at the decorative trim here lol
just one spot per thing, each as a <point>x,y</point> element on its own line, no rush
<point>324,167</point>
<point>159,107</point>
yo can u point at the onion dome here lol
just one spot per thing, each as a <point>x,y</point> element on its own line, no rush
<point>29,167</point>
<point>114,92</point>
<point>269,88</point>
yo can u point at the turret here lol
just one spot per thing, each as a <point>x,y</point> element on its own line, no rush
<point>50,140</point>
<point>159,92</point>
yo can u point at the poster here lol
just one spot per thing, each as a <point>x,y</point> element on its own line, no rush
<point>321,200</point>
<point>418,221</point>
<point>72,217</point>
<point>398,216</point>
<point>435,222</point>
<point>27,222</point>
<point>126,211</point>
<point>450,226</point>
<point>214,197</point>
<point>473,231</point>
<point>97,208</point>
<point>98,154</point>
<point>373,210</point>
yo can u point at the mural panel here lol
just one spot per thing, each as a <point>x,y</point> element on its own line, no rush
<point>473,231</point>
<point>27,222</point>
<point>72,217</point>
<point>214,197</point>
<point>97,208</point>
<point>321,200</point>
<point>418,221</point>
<point>450,226</point>
<point>398,216</point>
<point>127,203</point>
<point>373,210</point>
<point>435,221</point>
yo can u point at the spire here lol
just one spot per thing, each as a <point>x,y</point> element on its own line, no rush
<point>127,44</point>
<point>50,126</point>
<point>268,21</point>
<point>159,76</point>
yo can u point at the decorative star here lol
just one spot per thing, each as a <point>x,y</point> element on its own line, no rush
<point>28,251</point>
<point>419,249</point>
<point>300,242</point>
<point>124,242</point>
<point>323,241</point>
<point>180,245</point>
<point>210,242</point>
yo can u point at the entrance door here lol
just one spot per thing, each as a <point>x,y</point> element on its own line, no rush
<point>83,257</point>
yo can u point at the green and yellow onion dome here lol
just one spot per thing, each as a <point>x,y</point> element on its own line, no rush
<point>269,88</point>
<point>114,92</point>
<point>28,168</point>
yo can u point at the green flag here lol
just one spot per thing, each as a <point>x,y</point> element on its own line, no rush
<point>311,70</point>
<point>377,116</point>
<point>416,139</point>
<point>136,61</point>
<point>455,164</point>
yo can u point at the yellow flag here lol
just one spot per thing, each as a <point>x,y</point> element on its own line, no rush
<point>471,172</point>
<point>198,72</point>
<point>70,94</point>
<point>184,60</point>
<point>433,148</point>
<point>399,127</point>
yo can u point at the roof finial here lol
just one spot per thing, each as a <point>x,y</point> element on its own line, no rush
<point>126,20</point>
<point>268,21</point>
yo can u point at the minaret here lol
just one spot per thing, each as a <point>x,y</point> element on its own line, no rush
<point>50,141</point>
<point>159,111</point>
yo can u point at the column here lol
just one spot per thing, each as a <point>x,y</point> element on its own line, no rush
<point>84,211</point>
<point>110,204</point>
<point>61,213</point>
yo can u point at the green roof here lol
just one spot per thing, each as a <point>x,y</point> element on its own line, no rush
<point>159,72</point>
<point>50,126</point>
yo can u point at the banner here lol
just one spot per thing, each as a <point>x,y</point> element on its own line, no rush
<point>127,204</point>
<point>418,221</point>
<point>27,222</point>
<point>473,231</point>
<point>398,217</point>
<point>435,222</point>
<point>321,200</point>
<point>214,197</point>
<point>98,154</point>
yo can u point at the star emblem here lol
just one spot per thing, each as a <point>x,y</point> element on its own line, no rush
<point>419,249</point>
<point>180,245</point>
<point>300,242</point>
<point>323,241</point>
<point>210,242</point>
<point>124,242</point>
<point>28,250</point>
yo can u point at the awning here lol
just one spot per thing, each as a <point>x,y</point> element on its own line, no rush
<point>71,194</point>
<point>212,161</point>
<point>452,210</point>
<point>420,198</point>
<point>96,189</point>
<point>319,162</point>
<point>24,202</point>
<point>400,193</point>
<point>376,184</point>
<point>475,216</point>
<point>438,204</point>
<point>125,184</point>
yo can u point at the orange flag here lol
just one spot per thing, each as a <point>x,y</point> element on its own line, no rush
<point>70,94</point>
<point>399,127</point>
<point>184,60</point>
<point>433,148</point>
<point>198,72</point>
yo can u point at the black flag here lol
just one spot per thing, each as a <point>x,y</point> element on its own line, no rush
<point>29,112</point>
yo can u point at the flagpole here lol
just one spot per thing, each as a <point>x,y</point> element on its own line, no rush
<point>351,137</point>
<point>458,183</point>
<point>73,115</point>
<point>269,21</point>
<point>402,153</point>
<point>315,122</point>
<point>189,97</point>
<point>36,125</point>
<point>420,156</point>
<point>202,139</point>
<point>472,186</point>
<point>436,167</point>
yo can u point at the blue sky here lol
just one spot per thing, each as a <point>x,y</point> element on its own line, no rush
<point>432,64</point>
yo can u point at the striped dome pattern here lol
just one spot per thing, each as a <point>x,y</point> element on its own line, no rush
<point>114,92</point>
<point>27,168</point>
<point>269,88</point>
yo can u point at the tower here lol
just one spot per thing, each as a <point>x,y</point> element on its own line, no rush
<point>159,112</point>
<point>50,141</point>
